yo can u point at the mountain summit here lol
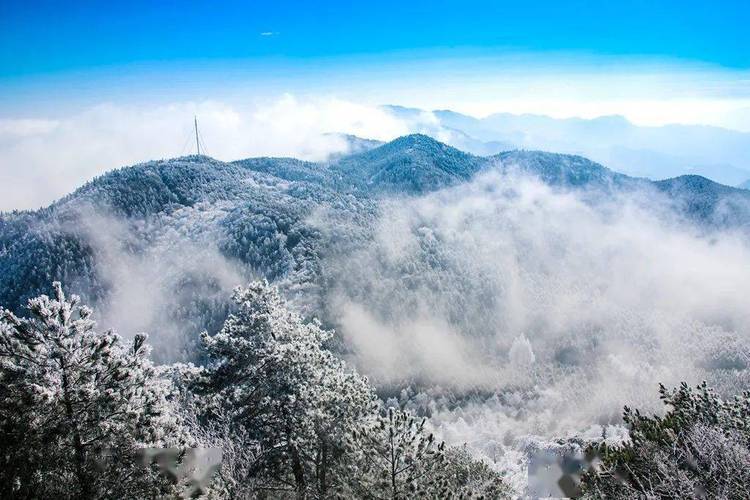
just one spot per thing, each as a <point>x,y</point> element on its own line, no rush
<point>259,216</point>
<point>413,164</point>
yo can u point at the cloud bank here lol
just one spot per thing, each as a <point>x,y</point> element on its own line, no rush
<point>42,160</point>
<point>556,311</point>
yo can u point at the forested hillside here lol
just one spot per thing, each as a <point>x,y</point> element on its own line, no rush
<point>516,302</point>
<point>259,214</point>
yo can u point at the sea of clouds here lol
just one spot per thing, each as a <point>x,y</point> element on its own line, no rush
<point>520,314</point>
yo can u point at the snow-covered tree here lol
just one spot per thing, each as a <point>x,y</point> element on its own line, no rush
<point>461,475</point>
<point>76,405</point>
<point>521,355</point>
<point>699,449</point>
<point>291,398</point>
<point>398,458</point>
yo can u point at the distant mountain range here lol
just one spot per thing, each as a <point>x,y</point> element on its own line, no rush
<point>256,216</point>
<point>653,152</point>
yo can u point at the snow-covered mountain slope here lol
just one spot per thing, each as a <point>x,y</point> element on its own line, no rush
<point>192,227</point>
<point>566,170</point>
<point>410,164</point>
<point>654,152</point>
<point>708,202</point>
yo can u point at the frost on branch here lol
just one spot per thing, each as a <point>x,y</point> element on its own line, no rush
<point>284,394</point>
<point>75,405</point>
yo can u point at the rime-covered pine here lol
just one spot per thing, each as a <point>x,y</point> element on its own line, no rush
<point>75,405</point>
<point>292,400</point>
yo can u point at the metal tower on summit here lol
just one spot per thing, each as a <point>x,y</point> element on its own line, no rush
<point>197,142</point>
<point>194,133</point>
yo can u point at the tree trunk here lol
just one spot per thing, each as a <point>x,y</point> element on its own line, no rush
<point>322,480</point>
<point>79,452</point>
<point>394,464</point>
<point>299,474</point>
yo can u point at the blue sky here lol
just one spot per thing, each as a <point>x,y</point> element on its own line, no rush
<point>474,56</point>
<point>652,61</point>
<point>42,37</point>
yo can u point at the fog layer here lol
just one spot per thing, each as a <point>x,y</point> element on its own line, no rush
<point>556,311</point>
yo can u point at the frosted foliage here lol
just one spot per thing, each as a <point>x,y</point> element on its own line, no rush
<point>76,405</point>
<point>292,400</point>
<point>516,299</point>
<point>520,354</point>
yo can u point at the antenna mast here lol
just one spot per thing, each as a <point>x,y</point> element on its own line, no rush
<point>197,143</point>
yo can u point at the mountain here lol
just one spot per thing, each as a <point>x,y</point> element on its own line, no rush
<point>410,164</point>
<point>354,144</point>
<point>703,200</point>
<point>565,170</point>
<point>177,213</point>
<point>653,152</point>
<point>173,236</point>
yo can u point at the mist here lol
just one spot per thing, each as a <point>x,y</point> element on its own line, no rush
<point>518,310</point>
<point>510,311</point>
<point>166,278</point>
<point>44,159</point>
<point>544,312</point>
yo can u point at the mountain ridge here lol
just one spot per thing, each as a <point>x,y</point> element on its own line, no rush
<point>391,164</point>
<point>655,152</point>
<point>258,216</point>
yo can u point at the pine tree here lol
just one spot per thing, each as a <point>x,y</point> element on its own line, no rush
<point>291,398</point>
<point>397,457</point>
<point>460,475</point>
<point>76,405</point>
<point>700,448</point>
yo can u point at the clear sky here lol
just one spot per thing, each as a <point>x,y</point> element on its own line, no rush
<point>38,37</point>
<point>54,53</point>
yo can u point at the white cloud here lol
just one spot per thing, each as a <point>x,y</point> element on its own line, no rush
<point>506,285</point>
<point>11,129</point>
<point>41,160</point>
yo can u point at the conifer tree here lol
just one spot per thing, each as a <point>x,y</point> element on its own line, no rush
<point>398,458</point>
<point>700,448</point>
<point>76,405</point>
<point>291,398</point>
